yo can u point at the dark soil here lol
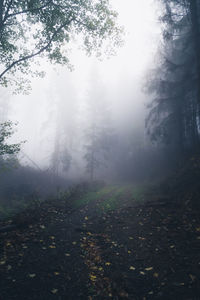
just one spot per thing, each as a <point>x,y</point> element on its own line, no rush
<point>136,251</point>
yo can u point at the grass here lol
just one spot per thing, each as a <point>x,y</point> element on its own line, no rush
<point>110,197</point>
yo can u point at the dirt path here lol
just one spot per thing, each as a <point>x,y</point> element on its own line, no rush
<point>109,247</point>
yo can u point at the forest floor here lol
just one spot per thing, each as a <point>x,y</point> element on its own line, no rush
<point>108,244</point>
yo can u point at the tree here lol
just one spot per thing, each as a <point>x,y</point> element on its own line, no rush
<point>8,151</point>
<point>33,28</point>
<point>99,134</point>
<point>174,112</point>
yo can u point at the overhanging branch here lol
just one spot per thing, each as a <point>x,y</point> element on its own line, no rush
<point>44,48</point>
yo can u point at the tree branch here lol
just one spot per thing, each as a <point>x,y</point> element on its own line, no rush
<point>28,10</point>
<point>44,48</point>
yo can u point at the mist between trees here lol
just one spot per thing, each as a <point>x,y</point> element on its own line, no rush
<point>101,133</point>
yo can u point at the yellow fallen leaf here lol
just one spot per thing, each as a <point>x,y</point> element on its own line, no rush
<point>100,269</point>
<point>86,218</point>
<point>129,252</point>
<point>54,291</point>
<point>9,267</point>
<point>93,277</point>
<point>74,243</point>
<point>156,275</point>
<point>198,229</point>
<point>67,254</point>
<point>89,233</point>
<point>132,268</point>
<point>142,273</point>
<point>107,263</point>
<point>130,238</point>
<point>42,226</point>
<point>149,269</point>
<point>52,237</point>
<point>56,273</point>
<point>52,246</point>
<point>2,262</point>
<point>8,244</point>
<point>31,275</point>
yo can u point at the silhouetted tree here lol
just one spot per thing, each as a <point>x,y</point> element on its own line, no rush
<point>174,112</point>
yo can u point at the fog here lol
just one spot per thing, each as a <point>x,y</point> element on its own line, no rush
<point>58,115</point>
<point>99,158</point>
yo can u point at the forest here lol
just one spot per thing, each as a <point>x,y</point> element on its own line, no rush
<point>99,149</point>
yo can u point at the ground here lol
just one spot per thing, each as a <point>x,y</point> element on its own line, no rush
<point>106,244</point>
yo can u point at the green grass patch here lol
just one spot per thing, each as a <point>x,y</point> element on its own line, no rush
<point>89,197</point>
<point>103,194</point>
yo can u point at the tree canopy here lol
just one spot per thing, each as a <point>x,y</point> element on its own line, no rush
<point>31,28</point>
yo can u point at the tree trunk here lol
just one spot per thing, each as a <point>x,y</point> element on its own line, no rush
<point>194,12</point>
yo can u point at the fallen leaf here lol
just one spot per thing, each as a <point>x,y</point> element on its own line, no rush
<point>149,269</point>
<point>93,277</point>
<point>150,293</point>
<point>54,291</point>
<point>67,254</point>
<point>52,246</point>
<point>142,273</point>
<point>31,275</point>
<point>2,262</point>
<point>107,263</point>
<point>56,273</point>
<point>42,226</point>
<point>132,268</point>
<point>156,275</point>
<point>86,218</point>
<point>192,277</point>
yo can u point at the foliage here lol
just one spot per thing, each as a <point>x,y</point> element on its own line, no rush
<point>45,27</point>
<point>6,131</point>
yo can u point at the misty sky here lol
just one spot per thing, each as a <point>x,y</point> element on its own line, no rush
<point>121,77</point>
